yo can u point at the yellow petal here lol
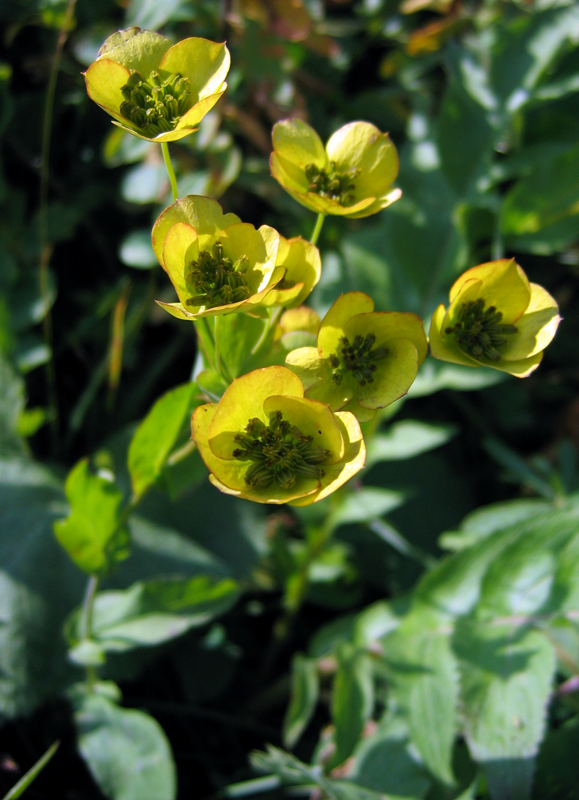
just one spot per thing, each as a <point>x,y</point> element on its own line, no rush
<point>176,310</point>
<point>443,346</point>
<point>504,285</point>
<point>104,79</point>
<point>535,329</point>
<point>259,247</point>
<point>180,249</point>
<point>360,145</point>
<point>188,122</point>
<point>135,49</point>
<point>521,368</point>
<point>362,414</point>
<point>203,214</point>
<point>273,495</point>
<point>378,204</point>
<point>204,63</point>
<point>332,327</point>
<point>302,263</point>
<point>167,136</point>
<point>244,400</point>
<point>394,375</point>
<point>299,319</point>
<point>389,325</point>
<point>313,419</point>
<point>296,142</point>
<point>353,461</point>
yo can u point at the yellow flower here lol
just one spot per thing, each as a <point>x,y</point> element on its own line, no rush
<point>264,441</point>
<point>154,90</point>
<point>496,318</point>
<point>364,359</point>
<point>303,267</point>
<point>216,263</point>
<point>351,176</point>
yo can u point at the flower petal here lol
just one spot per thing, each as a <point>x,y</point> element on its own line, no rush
<point>443,346</point>
<point>394,375</point>
<point>387,325</point>
<point>362,414</point>
<point>203,62</point>
<point>176,310</point>
<point>535,329</point>
<point>353,461</point>
<point>360,145</point>
<point>504,285</point>
<point>203,214</point>
<point>189,120</point>
<point>303,267</point>
<point>180,248</point>
<point>521,368</point>
<point>135,49</point>
<point>259,247</point>
<point>378,204</point>
<point>104,80</point>
<point>332,328</point>
<point>244,400</point>
<point>298,144</point>
<point>313,419</point>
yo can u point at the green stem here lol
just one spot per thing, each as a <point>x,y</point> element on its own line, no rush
<point>170,170</point>
<point>219,364</point>
<point>318,227</point>
<point>87,607</point>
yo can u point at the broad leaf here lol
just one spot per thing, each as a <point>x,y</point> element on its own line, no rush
<point>157,435</point>
<point>352,699</point>
<point>304,697</point>
<point>365,505</point>
<point>93,535</point>
<point>406,439</point>
<point>126,751</point>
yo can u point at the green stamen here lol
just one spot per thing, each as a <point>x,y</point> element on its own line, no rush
<point>331,183</point>
<point>279,453</point>
<point>155,105</point>
<point>479,332</point>
<point>357,358</point>
<point>217,280</point>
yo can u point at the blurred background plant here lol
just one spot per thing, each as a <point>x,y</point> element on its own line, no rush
<point>416,635</point>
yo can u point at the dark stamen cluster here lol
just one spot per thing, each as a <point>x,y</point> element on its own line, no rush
<point>478,332</point>
<point>333,184</point>
<point>357,358</point>
<point>217,280</point>
<point>279,453</point>
<point>155,105</point>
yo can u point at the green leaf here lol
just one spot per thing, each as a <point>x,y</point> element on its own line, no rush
<point>425,684</point>
<point>556,777</point>
<point>304,697</point>
<point>126,751</point>
<point>387,763</point>
<point>35,770</point>
<point>12,403</point>
<point>93,535</point>
<point>157,435</point>
<point>365,505</point>
<point>238,334</point>
<point>436,375</point>
<point>136,249</point>
<point>145,183</point>
<point>406,439</point>
<point>211,383</point>
<point>155,611</point>
<point>39,587</point>
<point>488,519</point>
<point>352,700</point>
<point>506,680</point>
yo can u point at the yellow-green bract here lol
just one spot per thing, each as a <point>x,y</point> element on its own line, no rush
<point>352,176</point>
<point>216,263</point>
<point>264,441</point>
<point>303,267</point>
<point>364,359</point>
<point>154,90</point>
<point>496,318</point>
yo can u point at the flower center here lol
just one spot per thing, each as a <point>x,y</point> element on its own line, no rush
<point>357,358</point>
<point>279,453</point>
<point>478,332</point>
<point>217,280</point>
<point>155,105</point>
<point>332,184</point>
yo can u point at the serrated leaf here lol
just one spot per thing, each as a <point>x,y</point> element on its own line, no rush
<point>93,535</point>
<point>425,684</point>
<point>157,435</point>
<point>155,611</point>
<point>126,751</point>
<point>407,439</point>
<point>305,687</point>
<point>506,679</point>
<point>352,699</point>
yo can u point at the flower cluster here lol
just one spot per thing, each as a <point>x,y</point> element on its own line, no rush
<point>289,431</point>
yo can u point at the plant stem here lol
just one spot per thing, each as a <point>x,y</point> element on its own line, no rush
<point>45,247</point>
<point>219,364</point>
<point>317,228</point>
<point>170,170</point>
<point>87,607</point>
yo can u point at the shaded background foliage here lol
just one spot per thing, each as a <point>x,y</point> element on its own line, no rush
<point>442,689</point>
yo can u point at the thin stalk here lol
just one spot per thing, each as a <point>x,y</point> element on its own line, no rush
<point>318,228</point>
<point>45,247</point>
<point>219,363</point>
<point>170,170</point>
<point>87,607</point>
